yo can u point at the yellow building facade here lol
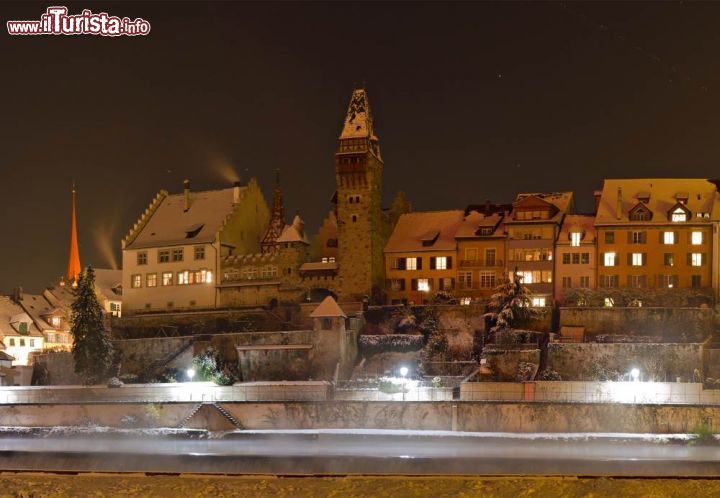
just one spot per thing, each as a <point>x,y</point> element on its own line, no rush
<point>657,233</point>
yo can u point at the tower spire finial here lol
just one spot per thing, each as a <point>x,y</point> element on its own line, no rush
<point>73,269</point>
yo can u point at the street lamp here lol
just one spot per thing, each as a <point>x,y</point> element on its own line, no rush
<point>635,374</point>
<point>403,373</point>
<point>190,373</point>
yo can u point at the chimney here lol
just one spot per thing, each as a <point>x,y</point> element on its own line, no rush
<point>186,186</point>
<point>619,204</point>
<point>236,192</point>
<point>17,294</point>
<point>487,207</point>
<point>598,196</point>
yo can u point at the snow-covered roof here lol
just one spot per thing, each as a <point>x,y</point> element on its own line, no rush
<point>170,224</point>
<point>11,313</point>
<point>109,283</point>
<point>319,266</point>
<point>584,223</point>
<point>328,308</point>
<point>473,222</point>
<point>425,231</point>
<point>294,232</point>
<point>659,196</point>
<point>358,121</point>
<point>38,308</point>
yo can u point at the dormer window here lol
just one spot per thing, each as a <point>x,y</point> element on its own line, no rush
<point>679,213</point>
<point>643,197</point>
<point>429,238</point>
<point>640,213</point>
<point>192,231</point>
<point>575,238</point>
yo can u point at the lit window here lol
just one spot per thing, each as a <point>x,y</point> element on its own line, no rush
<point>183,277</point>
<point>411,264</point>
<point>668,237</point>
<point>441,263</point>
<point>136,281</point>
<point>679,215</point>
<point>696,238</point>
<point>637,259</point>
<point>167,278</point>
<point>423,285</point>
<point>575,239</point>
<point>610,259</point>
<point>696,259</point>
<point>609,302</point>
<point>55,321</point>
<point>465,301</point>
<point>151,280</point>
<point>208,277</point>
<point>538,301</point>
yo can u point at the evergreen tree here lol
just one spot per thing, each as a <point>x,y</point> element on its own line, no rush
<point>510,304</point>
<point>92,350</point>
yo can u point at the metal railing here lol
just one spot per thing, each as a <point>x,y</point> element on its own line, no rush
<point>481,263</point>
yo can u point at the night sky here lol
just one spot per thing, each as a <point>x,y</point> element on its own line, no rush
<point>471,102</point>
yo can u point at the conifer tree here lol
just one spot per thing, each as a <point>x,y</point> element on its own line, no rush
<point>510,304</point>
<point>92,350</point>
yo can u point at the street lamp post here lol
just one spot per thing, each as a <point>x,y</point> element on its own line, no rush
<point>403,373</point>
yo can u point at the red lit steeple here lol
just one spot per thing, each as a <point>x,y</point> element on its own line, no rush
<point>73,270</point>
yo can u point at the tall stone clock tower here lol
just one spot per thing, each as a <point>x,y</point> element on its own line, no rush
<point>358,171</point>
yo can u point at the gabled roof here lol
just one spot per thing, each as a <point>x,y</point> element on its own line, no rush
<point>413,228</point>
<point>10,310</point>
<point>583,223</point>
<point>171,225</point>
<point>561,203</point>
<point>328,308</point>
<point>702,197</point>
<point>39,308</point>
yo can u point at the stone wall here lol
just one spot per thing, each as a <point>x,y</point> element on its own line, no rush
<point>671,324</point>
<point>60,368</point>
<point>659,362</point>
<point>504,362</point>
<point>198,323</point>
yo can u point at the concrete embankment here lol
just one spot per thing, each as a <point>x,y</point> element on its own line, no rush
<point>459,416</point>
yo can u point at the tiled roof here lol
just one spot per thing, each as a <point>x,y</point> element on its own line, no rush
<point>414,231</point>
<point>702,197</point>
<point>584,223</point>
<point>475,221</point>
<point>8,310</point>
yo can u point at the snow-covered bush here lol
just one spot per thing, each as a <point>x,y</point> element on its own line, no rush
<point>114,382</point>
<point>549,375</point>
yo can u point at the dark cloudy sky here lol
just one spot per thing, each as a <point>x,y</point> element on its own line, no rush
<point>471,101</point>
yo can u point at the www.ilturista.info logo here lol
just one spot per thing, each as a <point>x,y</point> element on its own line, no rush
<point>56,21</point>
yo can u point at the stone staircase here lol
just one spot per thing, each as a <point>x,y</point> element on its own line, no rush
<point>209,406</point>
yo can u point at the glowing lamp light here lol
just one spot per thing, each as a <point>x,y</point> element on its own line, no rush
<point>403,371</point>
<point>635,374</point>
<point>190,373</point>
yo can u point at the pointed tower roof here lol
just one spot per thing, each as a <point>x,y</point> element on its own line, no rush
<point>328,308</point>
<point>277,218</point>
<point>73,269</point>
<point>358,120</point>
<point>294,232</point>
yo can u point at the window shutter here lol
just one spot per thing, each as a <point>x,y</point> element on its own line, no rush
<point>629,258</point>
<point>413,284</point>
<point>419,263</point>
<point>629,236</point>
<point>452,283</point>
<point>661,237</point>
<point>449,263</point>
<point>430,283</point>
<point>388,284</point>
<point>676,237</point>
<point>644,259</point>
<point>689,237</point>
<point>629,281</point>
<point>703,259</point>
<point>402,284</point>
<point>432,263</point>
<point>689,259</point>
<point>402,263</point>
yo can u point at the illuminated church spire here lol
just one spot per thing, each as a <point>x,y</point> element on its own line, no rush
<point>73,270</point>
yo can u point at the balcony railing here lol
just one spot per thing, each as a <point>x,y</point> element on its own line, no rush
<point>481,263</point>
